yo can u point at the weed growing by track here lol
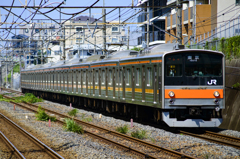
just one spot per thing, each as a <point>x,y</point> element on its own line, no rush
<point>71,125</point>
<point>27,98</point>
<point>139,134</point>
<point>43,116</point>
<point>122,129</point>
<point>73,112</point>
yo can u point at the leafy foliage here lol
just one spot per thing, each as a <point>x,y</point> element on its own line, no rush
<point>27,98</point>
<point>43,116</point>
<point>139,134</point>
<point>73,112</point>
<point>122,129</point>
<point>71,125</point>
<point>89,119</point>
<point>137,48</point>
<point>236,85</point>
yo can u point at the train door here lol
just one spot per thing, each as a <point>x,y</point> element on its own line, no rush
<point>74,81</point>
<point>149,84</point>
<point>96,82</point>
<point>155,83</point>
<point>70,81</point>
<point>66,80</point>
<point>160,84</point>
<point>123,82</point>
<point>138,84</point>
<point>109,84</point>
<point>143,82</point>
<point>79,81</point>
<point>128,83</point>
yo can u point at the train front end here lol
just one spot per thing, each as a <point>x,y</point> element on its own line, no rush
<point>193,88</point>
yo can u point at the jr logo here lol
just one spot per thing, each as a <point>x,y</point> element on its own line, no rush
<point>213,81</point>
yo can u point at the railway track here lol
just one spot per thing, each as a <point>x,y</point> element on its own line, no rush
<point>127,143</point>
<point>23,144</point>
<point>11,149</point>
<point>216,138</point>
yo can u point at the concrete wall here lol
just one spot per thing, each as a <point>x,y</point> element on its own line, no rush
<point>231,114</point>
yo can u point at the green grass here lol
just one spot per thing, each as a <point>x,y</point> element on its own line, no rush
<point>122,129</point>
<point>73,112</point>
<point>71,125</point>
<point>139,134</point>
<point>43,116</point>
<point>89,119</point>
<point>28,97</point>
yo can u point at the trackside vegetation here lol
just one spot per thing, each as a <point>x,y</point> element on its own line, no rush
<point>71,125</point>
<point>43,116</point>
<point>122,129</point>
<point>142,134</point>
<point>27,98</point>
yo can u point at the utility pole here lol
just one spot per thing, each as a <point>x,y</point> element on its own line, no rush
<point>148,21</point>
<point>128,37</point>
<point>179,22</point>
<point>64,54</point>
<point>104,28</point>
<point>95,45</point>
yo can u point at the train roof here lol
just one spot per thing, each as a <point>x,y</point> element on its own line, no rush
<point>155,51</point>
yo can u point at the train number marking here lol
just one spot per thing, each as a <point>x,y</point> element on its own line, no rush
<point>213,81</point>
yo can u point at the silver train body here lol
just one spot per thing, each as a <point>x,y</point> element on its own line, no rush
<point>183,88</point>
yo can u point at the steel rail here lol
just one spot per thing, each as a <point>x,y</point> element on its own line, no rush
<point>16,152</point>
<point>218,141</point>
<point>156,147</point>
<point>47,149</point>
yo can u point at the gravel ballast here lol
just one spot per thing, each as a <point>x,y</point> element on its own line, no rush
<point>72,145</point>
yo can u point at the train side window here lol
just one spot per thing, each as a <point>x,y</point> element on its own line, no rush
<point>138,77</point>
<point>84,77</point>
<point>110,77</point>
<point>128,77</point>
<point>149,76</point>
<point>120,77</point>
<point>96,77</point>
<point>103,76</point>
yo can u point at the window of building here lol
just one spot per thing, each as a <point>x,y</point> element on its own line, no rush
<point>79,29</point>
<point>114,40</point>
<point>115,29</point>
<point>79,40</point>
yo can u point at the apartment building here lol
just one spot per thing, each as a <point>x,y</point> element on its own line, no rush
<point>87,32</point>
<point>156,17</point>
<point>196,20</point>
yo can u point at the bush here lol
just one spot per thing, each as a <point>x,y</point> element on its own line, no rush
<point>71,125</point>
<point>87,119</point>
<point>73,112</point>
<point>43,116</point>
<point>123,129</point>
<point>139,134</point>
<point>236,85</point>
<point>28,98</point>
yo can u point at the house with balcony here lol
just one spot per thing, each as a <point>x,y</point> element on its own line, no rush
<point>196,20</point>
<point>157,17</point>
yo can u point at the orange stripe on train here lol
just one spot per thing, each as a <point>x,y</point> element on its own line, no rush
<point>193,93</point>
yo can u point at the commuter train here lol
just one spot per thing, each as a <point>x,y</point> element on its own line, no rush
<point>183,88</point>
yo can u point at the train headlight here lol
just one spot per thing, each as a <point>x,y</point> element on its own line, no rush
<point>217,109</point>
<point>216,94</point>
<point>171,94</point>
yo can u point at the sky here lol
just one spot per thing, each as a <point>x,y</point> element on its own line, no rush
<point>125,12</point>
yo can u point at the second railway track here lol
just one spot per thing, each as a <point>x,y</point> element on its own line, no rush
<point>125,142</point>
<point>23,144</point>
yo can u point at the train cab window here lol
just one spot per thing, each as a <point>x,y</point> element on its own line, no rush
<point>103,77</point>
<point>110,77</point>
<point>149,76</point>
<point>127,77</point>
<point>173,65</point>
<point>138,77</point>
<point>96,77</point>
<point>203,65</point>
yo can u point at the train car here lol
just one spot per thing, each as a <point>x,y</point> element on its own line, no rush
<point>183,88</point>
